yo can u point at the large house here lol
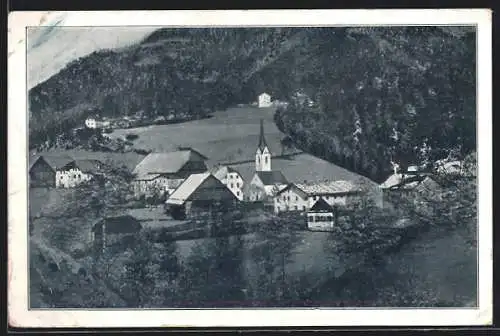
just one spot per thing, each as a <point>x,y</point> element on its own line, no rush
<point>200,193</point>
<point>164,172</point>
<point>264,100</point>
<point>301,197</point>
<point>43,171</point>
<point>265,182</point>
<point>231,178</point>
<point>77,172</point>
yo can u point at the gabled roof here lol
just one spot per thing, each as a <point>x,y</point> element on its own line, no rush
<point>187,188</point>
<point>321,205</point>
<point>291,186</point>
<point>220,172</point>
<point>271,177</point>
<point>54,161</point>
<point>86,165</point>
<point>119,224</point>
<point>328,188</point>
<point>165,163</point>
<point>391,181</point>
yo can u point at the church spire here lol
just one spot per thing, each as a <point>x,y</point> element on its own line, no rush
<point>262,140</point>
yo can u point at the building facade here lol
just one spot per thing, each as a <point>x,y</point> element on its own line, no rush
<point>321,216</point>
<point>45,170</point>
<point>264,100</point>
<point>77,172</point>
<point>231,178</point>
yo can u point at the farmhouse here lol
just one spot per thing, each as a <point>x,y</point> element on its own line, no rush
<point>43,170</point>
<point>200,193</point>
<point>163,172</point>
<point>231,178</point>
<point>321,216</point>
<point>110,230</point>
<point>265,182</point>
<point>77,172</point>
<point>300,197</point>
<point>420,189</point>
<point>264,100</point>
<point>94,122</point>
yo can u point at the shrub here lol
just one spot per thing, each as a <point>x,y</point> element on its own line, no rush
<point>131,136</point>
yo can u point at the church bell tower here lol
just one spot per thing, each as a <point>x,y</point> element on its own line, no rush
<point>263,155</point>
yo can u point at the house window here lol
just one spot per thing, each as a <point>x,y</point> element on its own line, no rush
<point>311,218</point>
<point>74,176</point>
<point>237,193</point>
<point>304,207</point>
<point>232,185</point>
<point>237,185</point>
<point>296,208</point>
<point>296,198</point>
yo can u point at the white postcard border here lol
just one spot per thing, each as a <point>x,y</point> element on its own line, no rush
<point>21,316</point>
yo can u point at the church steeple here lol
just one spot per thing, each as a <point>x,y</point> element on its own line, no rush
<point>263,155</point>
<point>262,139</point>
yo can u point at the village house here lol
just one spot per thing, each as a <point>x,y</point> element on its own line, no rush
<point>198,194</point>
<point>94,122</point>
<point>321,216</point>
<point>110,230</point>
<point>164,172</point>
<point>301,196</point>
<point>77,172</point>
<point>231,178</point>
<point>43,171</point>
<point>265,182</point>
<point>264,100</point>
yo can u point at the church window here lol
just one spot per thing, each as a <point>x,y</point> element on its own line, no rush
<point>265,159</point>
<point>296,198</point>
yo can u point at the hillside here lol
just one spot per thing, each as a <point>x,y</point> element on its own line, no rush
<point>370,86</point>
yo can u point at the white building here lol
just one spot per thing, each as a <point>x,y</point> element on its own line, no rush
<point>321,216</point>
<point>77,172</point>
<point>301,197</point>
<point>264,100</point>
<point>231,178</point>
<point>93,122</point>
<point>265,182</point>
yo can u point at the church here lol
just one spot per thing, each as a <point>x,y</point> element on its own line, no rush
<point>265,182</point>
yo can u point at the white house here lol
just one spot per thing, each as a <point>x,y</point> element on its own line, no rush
<point>77,172</point>
<point>231,178</point>
<point>264,100</point>
<point>301,197</point>
<point>93,122</point>
<point>321,216</point>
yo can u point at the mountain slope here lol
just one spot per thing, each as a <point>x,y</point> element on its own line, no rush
<point>370,85</point>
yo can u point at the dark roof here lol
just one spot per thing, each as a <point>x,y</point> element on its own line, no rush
<point>272,177</point>
<point>191,149</point>
<point>119,224</point>
<point>262,139</point>
<point>321,205</point>
<point>163,163</point>
<point>86,165</point>
<point>54,161</point>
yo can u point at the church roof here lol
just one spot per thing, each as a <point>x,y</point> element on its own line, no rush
<point>262,139</point>
<point>272,177</point>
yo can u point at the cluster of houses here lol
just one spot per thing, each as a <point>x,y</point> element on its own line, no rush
<point>184,179</point>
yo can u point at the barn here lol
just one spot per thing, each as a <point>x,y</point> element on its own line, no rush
<point>44,168</point>
<point>200,193</point>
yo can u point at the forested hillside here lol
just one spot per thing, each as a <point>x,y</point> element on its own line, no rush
<point>379,93</point>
